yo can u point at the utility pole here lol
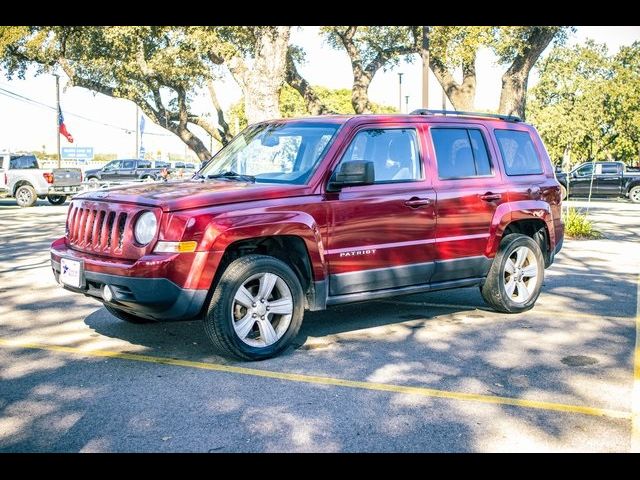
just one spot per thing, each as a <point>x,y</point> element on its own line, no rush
<point>406,103</point>
<point>400,91</point>
<point>424,53</point>
<point>137,154</point>
<point>444,99</point>
<point>58,119</point>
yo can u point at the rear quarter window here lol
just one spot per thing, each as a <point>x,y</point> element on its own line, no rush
<point>518,153</point>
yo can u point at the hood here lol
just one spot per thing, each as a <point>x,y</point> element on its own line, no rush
<point>90,171</point>
<point>194,194</point>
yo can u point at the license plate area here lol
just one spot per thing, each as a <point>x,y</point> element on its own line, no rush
<point>71,272</point>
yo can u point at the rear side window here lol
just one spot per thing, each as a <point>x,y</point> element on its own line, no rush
<point>144,164</point>
<point>518,153</point>
<point>461,153</point>
<point>23,162</point>
<point>610,169</point>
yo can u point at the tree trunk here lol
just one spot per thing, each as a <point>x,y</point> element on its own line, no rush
<point>513,96</point>
<point>261,82</point>
<point>461,95</point>
<point>193,142</point>
<point>360,92</point>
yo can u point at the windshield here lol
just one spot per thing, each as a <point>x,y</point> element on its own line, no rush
<point>275,152</point>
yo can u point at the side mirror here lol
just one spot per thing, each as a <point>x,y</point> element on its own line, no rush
<point>353,173</point>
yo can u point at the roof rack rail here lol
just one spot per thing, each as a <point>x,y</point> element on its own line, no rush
<point>424,111</point>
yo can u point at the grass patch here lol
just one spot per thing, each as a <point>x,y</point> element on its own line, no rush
<point>577,225</point>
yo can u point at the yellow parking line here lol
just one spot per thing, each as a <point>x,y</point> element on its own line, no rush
<point>635,397</point>
<point>337,382</point>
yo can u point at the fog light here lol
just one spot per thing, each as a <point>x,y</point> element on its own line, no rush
<point>107,294</point>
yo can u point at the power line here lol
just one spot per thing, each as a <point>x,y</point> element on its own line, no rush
<point>22,98</point>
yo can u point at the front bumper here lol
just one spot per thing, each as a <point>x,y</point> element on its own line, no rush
<point>136,288</point>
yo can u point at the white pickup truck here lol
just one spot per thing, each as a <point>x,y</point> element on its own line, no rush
<point>22,178</point>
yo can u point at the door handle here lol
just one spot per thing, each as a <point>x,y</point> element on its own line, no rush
<point>415,202</point>
<point>490,197</point>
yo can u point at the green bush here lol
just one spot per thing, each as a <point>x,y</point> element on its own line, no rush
<point>577,225</point>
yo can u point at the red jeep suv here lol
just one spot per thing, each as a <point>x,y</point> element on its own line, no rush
<point>306,213</point>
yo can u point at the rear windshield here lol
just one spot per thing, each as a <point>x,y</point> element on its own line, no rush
<point>23,162</point>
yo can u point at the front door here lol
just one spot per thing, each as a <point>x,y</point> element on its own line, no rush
<point>381,236</point>
<point>127,171</point>
<point>110,170</point>
<point>580,181</point>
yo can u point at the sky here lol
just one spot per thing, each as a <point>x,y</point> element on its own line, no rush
<point>24,126</point>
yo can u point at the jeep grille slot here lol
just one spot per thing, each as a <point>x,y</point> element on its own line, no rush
<point>98,228</point>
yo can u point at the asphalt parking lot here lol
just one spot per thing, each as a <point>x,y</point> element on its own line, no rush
<point>434,372</point>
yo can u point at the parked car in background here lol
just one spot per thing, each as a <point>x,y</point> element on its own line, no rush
<point>124,170</point>
<point>22,178</point>
<point>305,213</point>
<point>609,179</point>
<point>177,169</point>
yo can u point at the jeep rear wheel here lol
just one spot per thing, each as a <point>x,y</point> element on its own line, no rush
<point>127,317</point>
<point>515,278</point>
<point>26,196</point>
<point>256,308</point>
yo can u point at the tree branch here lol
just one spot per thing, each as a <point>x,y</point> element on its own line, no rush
<point>314,105</point>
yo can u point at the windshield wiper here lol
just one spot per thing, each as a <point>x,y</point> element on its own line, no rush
<point>231,175</point>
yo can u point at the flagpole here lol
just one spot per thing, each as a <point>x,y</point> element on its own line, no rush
<point>57,118</point>
<point>137,155</point>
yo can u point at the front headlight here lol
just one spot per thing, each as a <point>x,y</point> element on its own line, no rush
<point>146,227</point>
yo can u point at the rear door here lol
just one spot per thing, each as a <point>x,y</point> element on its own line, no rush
<point>468,183</point>
<point>381,236</point>
<point>608,181</point>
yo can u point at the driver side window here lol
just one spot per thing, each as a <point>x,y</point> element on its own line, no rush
<point>394,153</point>
<point>112,165</point>
<point>585,170</point>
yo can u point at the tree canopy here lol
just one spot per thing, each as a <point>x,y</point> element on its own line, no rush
<point>588,102</point>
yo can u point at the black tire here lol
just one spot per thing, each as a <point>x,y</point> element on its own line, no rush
<point>634,194</point>
<point>26,196</point>
<point>56,199</point>
<point>494,289</point>
<point>219,319</point>
<point>148,178</point>
<point>93,181</point>
<point>127,317</point>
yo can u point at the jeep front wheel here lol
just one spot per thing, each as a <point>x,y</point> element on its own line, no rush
<point>515,278</point>
<point>256,308</point>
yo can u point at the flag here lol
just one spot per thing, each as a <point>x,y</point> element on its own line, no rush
<point>62,128</point>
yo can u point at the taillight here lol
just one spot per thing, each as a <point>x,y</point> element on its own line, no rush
<point>80,176</point>
<point>48,177</point>
<point>6,179</point>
